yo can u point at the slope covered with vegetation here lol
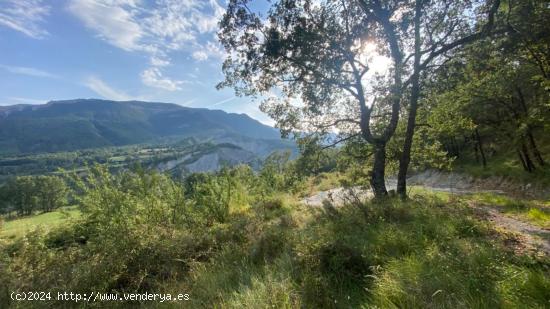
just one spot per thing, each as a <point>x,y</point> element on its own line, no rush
<point>235,239</point>
<point>83,124</point>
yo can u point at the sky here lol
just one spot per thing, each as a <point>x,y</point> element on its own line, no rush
<point>150,50</point>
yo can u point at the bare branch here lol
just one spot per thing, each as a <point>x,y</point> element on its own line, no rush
<point>341,141</point>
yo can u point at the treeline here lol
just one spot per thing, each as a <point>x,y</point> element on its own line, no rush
<point>492,98</point>
<point>25,195</point>
<point>470,78</point>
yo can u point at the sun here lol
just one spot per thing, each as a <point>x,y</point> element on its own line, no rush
<point>367,53</point>
<point>380,64</point>
<point>377,63</point>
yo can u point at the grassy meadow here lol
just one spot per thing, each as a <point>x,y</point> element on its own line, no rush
<point>18,227</point>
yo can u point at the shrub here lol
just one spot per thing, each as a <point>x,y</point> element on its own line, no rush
<point>268,246</point>
<point>273,203</point>
<point>134,234</point>
<point>343,262</point>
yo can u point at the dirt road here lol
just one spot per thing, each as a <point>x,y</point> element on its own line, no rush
<point>529,236</point>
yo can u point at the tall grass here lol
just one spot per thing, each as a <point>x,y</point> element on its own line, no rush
<point>141,233</point>
<point>420,253</point>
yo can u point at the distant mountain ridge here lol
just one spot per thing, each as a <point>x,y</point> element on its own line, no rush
<point>90,123</point>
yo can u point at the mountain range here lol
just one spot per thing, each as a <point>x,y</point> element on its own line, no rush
<point>91,123</point>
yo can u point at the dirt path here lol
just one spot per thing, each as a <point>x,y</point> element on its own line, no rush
<point>337,196</point>
<point>526,236</point>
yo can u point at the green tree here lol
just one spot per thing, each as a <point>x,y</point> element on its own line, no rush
<point>495,91</point>
<point>314,53</point>
<point>5,203</point>
<point>51,192</point>
<point>420,35</point>
<point>19,193</point>
<point>26,194</point>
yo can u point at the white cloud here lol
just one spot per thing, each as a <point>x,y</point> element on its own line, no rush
<point>28,71</point>
<point>104,90</point>
<point>205,25</point>
<point>153,77</point>
<point>113,20</point>
<point>132,25</point>
<point>158,30</point>
<point>25,16</point>
<point>200,55</point>
<point>159,62</point>
<point>211,50</point>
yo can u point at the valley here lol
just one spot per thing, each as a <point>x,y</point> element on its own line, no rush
<point>179,158</point>
<point>179,140</point>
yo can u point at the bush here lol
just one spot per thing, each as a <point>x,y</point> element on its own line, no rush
<point>343,262</point>
<point>268,246</point>
<point>141,231</point>
<point>133,236</point>
<point>273,203</point>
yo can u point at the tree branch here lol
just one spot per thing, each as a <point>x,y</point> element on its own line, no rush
<point>486,30</point>
<point>341,141</point>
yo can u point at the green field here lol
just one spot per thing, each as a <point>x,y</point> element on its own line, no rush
<point>18,227</point>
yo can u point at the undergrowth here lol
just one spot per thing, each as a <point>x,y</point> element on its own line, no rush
<point>420,253</point>
<point>140,234</point>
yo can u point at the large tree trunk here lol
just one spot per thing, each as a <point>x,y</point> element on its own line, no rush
<point>378,171</point>
<point>378,13</point>
<point>405,159</point>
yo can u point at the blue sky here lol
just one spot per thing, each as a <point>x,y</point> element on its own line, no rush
<point>152,50</point>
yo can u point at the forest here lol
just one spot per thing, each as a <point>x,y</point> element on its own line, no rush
<point>421,177</point>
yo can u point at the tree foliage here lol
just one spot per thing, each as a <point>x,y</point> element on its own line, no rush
<point>311,60</point>
<point>26,194</point>
<point>495,93</point>
<point>312,56</point>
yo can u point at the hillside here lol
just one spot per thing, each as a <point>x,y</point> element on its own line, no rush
<point>91,123</point>
<point>238,239</point>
